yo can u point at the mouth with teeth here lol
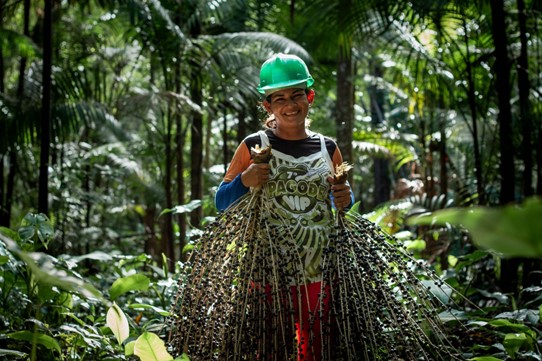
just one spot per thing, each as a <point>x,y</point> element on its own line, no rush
<point>291,114</point>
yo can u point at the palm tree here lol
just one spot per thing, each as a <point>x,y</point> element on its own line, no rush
<point>45,128</point>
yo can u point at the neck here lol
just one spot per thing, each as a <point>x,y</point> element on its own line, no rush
<point>290,134</point>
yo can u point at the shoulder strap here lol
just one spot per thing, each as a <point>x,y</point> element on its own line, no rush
<point>325,153</point>
<point>263,138</point>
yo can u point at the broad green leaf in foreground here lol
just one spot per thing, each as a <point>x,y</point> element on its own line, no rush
<point>40,338</point>
<point>118,323</point>
<point>122,285</point>
<point>513,231</point>
<point>45,272</point>
<point>149,347</point>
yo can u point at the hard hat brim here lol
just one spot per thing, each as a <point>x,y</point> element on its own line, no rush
<point>268,89</point>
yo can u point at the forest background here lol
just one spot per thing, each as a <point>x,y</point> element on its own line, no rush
<point>118,118</point>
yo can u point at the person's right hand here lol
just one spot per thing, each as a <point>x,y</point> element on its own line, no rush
<point>255,175</point>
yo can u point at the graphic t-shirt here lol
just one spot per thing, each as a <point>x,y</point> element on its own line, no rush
<point>300,204</point>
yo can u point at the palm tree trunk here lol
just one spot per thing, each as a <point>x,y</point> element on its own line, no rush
<point>471,91</point>
<point>345,102</point>
<point>45,136</point>
<point>524,105</point>
<point>509,267</point>
<point>292,12</point>
<point>181,218</point>
<point>539,163</point>
<point>2,207</point>
<point>2,89</point>
<point>180,137</point>
<point>242,125</point>
<point>502,77</point>
<point>2,71</point>
<point>7,202</point>
<point>382,189</point>
<point>225,150</point>
<point>167,234</point>
<point>196,150</point>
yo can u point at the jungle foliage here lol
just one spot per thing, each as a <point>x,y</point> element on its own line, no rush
<point>118,118</point>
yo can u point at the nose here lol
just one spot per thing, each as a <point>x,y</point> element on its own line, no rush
<point>291,100</point>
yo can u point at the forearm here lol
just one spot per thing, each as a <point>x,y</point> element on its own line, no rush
<point>229,192</point>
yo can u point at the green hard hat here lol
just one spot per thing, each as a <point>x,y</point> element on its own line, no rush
<point>283,71</point>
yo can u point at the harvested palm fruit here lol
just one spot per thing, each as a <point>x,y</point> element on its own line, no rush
<point>242,295</point>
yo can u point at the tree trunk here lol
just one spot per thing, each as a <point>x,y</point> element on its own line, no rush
<point>502,79</point>
<point>2,66</point>
<point>167,233</point>
<point>524,87</point>
<point>292,12</point>
<point>539,163</point>
<point>225,151</point>
<point>196,140</point>
<point>509,267</point>
<point>180,137</point>
<point>471,91</point>
<point>382,183</point>
<point>345,102</point>
<point>45,135</point>
<point>242,126</point>
<point>196,150</point>
<point>181,217</point>
<point>2,206</point>
<point>10,188</point>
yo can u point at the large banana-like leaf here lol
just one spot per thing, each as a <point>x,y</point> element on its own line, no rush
<point>514,231</point>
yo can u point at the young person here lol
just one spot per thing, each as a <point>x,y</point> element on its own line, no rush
<point>298,181</point>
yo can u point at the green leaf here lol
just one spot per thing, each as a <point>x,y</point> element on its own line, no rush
<point>158,310</point>
<point>95,256</point>
<point>149,347</point>
<point>10,233</point>
<point>3,260</point>
<point>134,282</point>
<point>118,323</point>
<point>129,348</point>
<point>485,358</point>
<point>183,357</point>
<point>48,274</point>
<point>185,208</point>
<point>417,245</point>
<point>4,352</point>
<point>514,231</point>
<point>13,43</point>
<point>36,224</point>
<point>39,338</point>
<point>513,342</point>
<point>443,292</point>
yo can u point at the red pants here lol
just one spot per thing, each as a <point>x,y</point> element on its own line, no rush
<point>308,317</point>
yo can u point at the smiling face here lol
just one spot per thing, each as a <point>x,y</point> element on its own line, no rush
<point>290,107</point>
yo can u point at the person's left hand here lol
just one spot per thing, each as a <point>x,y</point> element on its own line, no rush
<point>341,194</point>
